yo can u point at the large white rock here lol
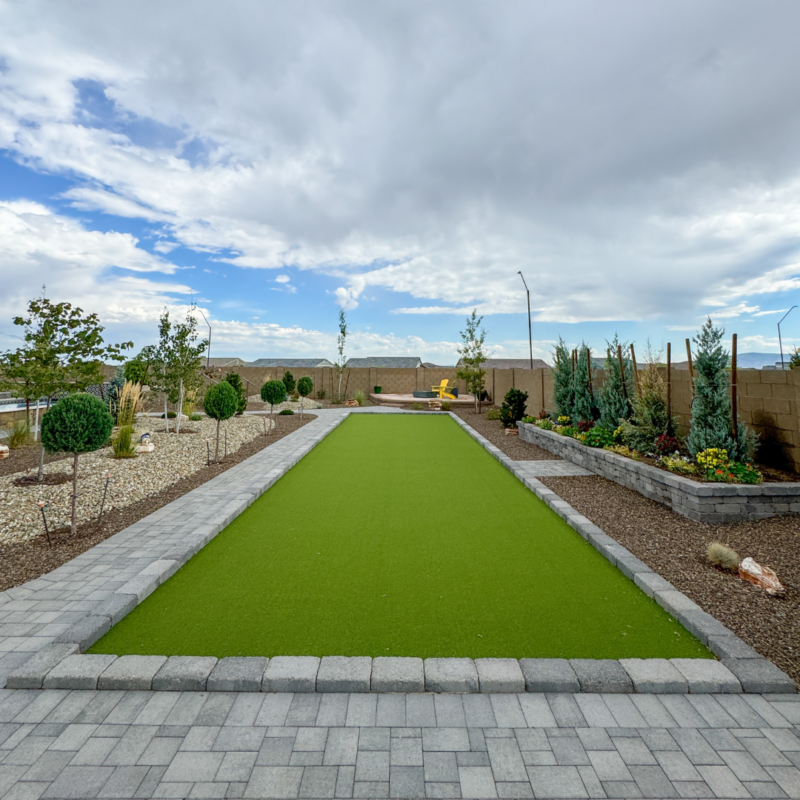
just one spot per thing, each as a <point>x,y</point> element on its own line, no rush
<point>4,451</point>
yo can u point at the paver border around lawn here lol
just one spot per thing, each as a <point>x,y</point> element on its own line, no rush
<point>62,663</point>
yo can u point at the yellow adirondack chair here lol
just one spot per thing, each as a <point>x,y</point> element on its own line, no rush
<point>444,390</point>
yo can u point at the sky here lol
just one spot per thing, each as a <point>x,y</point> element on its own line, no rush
<point>273,162</point>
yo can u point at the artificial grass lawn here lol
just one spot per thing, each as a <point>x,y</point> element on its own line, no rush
<point>399,535</point>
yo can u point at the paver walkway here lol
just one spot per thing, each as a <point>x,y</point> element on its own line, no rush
<point>84,744</point>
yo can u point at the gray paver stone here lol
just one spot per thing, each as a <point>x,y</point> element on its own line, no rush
<point>397,674</point>
<point>549,675</point>
<point>654,675</point>
<point>86,631</point>
<point>117,607</point>
<point>79,671</point>
<point>237,674</point>
<point>651,582</point>
<point>601,675</point>
<point>759,675</point>
<point>499,675</point>
<point>32,673</point>
<point>731,647</point>
<point>142,586</point>
<point>291,674</point>
<point>704,675</point>
<point>343,674</point>
<point>131,673</point>
<point>184,674</point>
<point>450,675</point>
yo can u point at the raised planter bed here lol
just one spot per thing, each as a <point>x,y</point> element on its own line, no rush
<point>703,502</point>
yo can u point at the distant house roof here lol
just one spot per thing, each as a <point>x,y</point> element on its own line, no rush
<point>224,361</point>
<point>308,363</point>
<point>512,363</point>
<point>429,365</point>
<point>385,362</point>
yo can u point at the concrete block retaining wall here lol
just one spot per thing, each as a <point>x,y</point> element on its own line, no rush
<point>703,502</point>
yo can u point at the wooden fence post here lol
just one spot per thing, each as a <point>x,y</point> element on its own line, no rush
<point>669,384</point>
<point>622,371</point>
<point>589,367</point>
<point>734,397</point>
<point>635,369</point>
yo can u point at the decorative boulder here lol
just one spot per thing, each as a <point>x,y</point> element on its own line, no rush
<point>4,451</point>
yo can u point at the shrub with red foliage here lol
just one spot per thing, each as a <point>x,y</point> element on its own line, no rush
<point>585,425</point>
<point>666,445</point>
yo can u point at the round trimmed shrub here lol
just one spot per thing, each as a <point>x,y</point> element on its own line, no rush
<point>273,392</point>
<point>305,387</point>
<point>220,403</point>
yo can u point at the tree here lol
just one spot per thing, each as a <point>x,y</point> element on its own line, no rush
<point>340,342</point>
<point>711,424</point>
<point>304,388</point>
<point>584,408</point>
<point>289,382</point>
<point>77,424</point>
<point>137,370</point>
<point>273,392</point>
<point>472,357</point>
<point>235,380</point>
<point>614,397</point>
<point>513,408</point>
<point>564,386</point>
<point>220,403</point>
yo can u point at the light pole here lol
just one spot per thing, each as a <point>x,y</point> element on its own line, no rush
<point>208,352</point>
<point>530,334</point>
<point>780,341</point>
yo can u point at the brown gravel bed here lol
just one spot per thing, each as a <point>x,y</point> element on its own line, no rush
<point>26,458</point>
<point>26,560</point>
<point>512,446</point>
<point>675,547</point>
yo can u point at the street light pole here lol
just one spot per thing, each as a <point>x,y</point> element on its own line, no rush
<point>530,334</point>
<point>780,341</point>
<point>208,352</point>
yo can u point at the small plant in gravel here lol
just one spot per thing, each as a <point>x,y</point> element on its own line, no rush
<point>220,403</point>
<point>446,405</point>
<point>304,388</point>
<point>320,394</point>
<point>493,414</point>
<point>286,412</point>
<point>18,436</point>
<point>122,445</point>
<point>195,417</point>
<point>720,555</point>
<point>235,380</point>
<point>513,408</point>
<point>274,393</point>
<point>359,397</point>
<point>76,424</point>
<point>598,437</point>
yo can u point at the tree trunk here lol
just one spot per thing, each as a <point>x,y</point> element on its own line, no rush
<point>73,524</point>
<point>302,397</point>
<point>40,476</point>
<point>36,424</point>
<point>216,450</point>
<point>166,415</point>
<point>180,410</point>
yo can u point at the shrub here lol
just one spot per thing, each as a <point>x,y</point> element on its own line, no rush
<point>679,465</point>
<point>598,437</point>
<point>235,380</point>
<point>220,403</point>
<point>285,412</point>
<point>122,444</point>
<point>529,420</point>
<point>563,387</point>
<point>446,405</point>
<point>321,394</point>
<point>666,445</point>
<point>545,424</point>
<point>585,425</point>
<point>794,359</point>
<point>567,430</point>
<point>304,387</point>
<point>359,397</point>
<point>614,405</point>
<point>169,415</point>
<point>136,371</point>
<point>417,406</point>
<point>18,436</point>
<point>288,382</point>
<point>622,450</point>
<point>195,417</point>
<point>76,424</point>
<point>583,404</point>
<point>711,424</point>
<point>513,408</point>
<point>493,413</point>
<point>723,556</point>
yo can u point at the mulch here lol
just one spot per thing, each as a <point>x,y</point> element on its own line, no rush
<point>26,458</point>
<point>675,548</point>
<point>23,561</point>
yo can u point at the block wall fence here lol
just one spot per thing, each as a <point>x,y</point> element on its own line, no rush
<point>769,400</point>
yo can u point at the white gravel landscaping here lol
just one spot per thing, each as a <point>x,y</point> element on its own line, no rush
<point>308,404</point>
<point>132,479</point>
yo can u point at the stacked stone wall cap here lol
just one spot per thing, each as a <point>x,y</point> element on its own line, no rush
<point>78,671</point>
<point>654,675</point>
<point>601,675</point>
<point>291,674</point>
<point>549,675</point>
<point>705,675</point>
<point>499,675</point>
<point>395,674</point>
<point>451,675</point>
<point>344,674</point>
<point>31,674</point>
<point>760,676</point>
<point>86,631</point>
<point>184,674</point>
<point>238,674</point>
<point>131,673</point>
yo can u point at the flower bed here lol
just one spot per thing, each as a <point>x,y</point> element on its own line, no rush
<point>704,502</point>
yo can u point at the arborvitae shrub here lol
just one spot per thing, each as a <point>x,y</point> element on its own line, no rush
<point>513,408</point>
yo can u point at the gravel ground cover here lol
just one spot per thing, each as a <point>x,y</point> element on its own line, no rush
<point>413,541</point>
<point>255,403</point>
<point>25,458</point>
<point>25,560</point>
<point>512,446</point>
<point>131,479</point>
<point>675,548</point>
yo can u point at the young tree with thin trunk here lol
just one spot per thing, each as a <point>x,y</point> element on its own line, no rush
<point>304,388</point>
<point>340,341</point>
<point>472,357</point>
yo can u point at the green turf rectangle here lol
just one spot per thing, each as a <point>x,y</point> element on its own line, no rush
<point>399,535</point>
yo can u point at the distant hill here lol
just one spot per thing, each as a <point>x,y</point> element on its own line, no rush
<point>747,360</point>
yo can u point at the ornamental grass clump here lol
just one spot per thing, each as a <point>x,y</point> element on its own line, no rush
<point>77,424</point>
<point>128,403</point>
<point>722,556</point>
<point>122,445</point>
<point>18,436</point>
<point>359,397</point>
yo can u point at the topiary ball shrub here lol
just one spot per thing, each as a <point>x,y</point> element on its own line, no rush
<point>76,424</point>
<point>285,412</point>
<point>273,392</point>
<point>220,403</point>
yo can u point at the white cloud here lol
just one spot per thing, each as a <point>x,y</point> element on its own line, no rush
<point>282,279</point>
<point>764,313</point>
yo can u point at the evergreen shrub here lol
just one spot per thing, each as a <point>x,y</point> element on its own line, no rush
<point>513,408</point>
